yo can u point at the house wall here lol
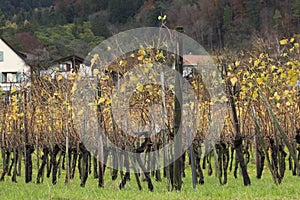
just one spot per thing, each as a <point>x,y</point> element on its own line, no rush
<point>12,62</point>
<point>52,71</point>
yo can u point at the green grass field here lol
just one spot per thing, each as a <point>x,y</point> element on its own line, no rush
<point>259,189</point>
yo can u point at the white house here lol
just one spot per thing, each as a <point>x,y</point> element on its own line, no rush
<point>191,62</point>
<point>14,72</point>
<point>65,66</point>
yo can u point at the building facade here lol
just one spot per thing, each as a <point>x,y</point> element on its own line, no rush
<point>14,72</point>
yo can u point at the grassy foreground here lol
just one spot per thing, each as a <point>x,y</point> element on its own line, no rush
<point>259,189</point>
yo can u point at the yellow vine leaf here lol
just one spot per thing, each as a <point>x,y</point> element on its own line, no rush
<point>255,94</point>
<point>108,102</point>
<point>72,76</point>
<point>273,67</point>
<point>243,88</point>
<point>79,76</point>
<point>285,93</point>
<point>74,88</point>
<point>283,75</point>
<point>80,112</point>
<point>123,87</point>
<point>149,65</point>
<point>91,104</point>
<point>95,59</point>
<point>256,62</point>
<point>140,88</point>
<point>133,78</point>
<point>141,57</point>
<point>233,80</point>
<point>293,77</point>
<point>15,116</point>
<point>278,105</point>
<point>59,77</point>
<point>276,96</point>
<point>101,100</point>
<point>259,81</point>
<point>141,52</point>
<point>261,55</point>
<point>96,72</point>
<point>224,99</point>
<point>214,73</point>
<point>13,90</point>
<point>284,41</point>
<point>122,62</point>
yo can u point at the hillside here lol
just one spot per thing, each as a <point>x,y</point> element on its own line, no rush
<point>69,26</point>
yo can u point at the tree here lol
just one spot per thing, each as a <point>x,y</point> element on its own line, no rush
<point>2,19</point>
<point>277,20</point>
<point>28,42</point>
<point>99,24</point>
<point>296,14</point>
<point>227,18</point>
<point>252,7</point>
<point>120,11</point>
<point>266,14</point>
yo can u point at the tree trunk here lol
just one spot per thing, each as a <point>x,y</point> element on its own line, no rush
<point>28,163</point>
<point>84,171</point>
<point>6,158</point>
<point>74,160</point>
<point>15,163</point>
<point>238,141</point>
<point>54,164</point>
<point>259,158</point>
<point>42,167</point>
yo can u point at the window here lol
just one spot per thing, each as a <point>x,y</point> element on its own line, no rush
<point>1,56</point>
<point>65,67</point>
<point>10,77</point>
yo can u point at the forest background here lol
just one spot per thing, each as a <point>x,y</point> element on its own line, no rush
<point>58,28</point>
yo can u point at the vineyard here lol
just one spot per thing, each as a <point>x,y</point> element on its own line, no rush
<point>41,124</point>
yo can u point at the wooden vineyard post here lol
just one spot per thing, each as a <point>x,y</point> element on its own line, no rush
<point>164,134</point>
<point>67,142</point>
<point>28,148</point>
<point>177,175</point>
<point>100,141</point>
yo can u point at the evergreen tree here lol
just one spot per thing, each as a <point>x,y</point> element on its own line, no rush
<point>253,13</point>
<point>227,18</point>
<point>100,24</point>
<point>2,18</point>
<point>121,10</point>
<point>296,14</point>
<point>277,18</point>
